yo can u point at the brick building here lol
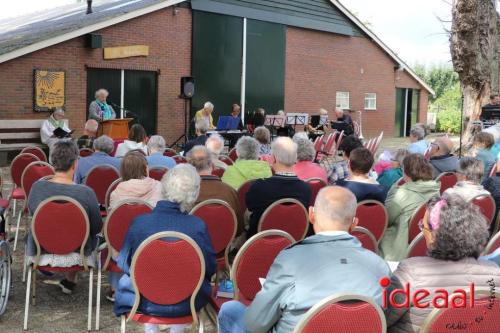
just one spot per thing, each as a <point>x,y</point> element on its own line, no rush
<point>288,54</point>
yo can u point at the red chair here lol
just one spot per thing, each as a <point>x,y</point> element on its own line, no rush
<point>242,193</point>
<point>427,153</point>
<point>493,171</point>
<point>339,312</point>
<point>99,179</point>
<point>487,205</point>
<point>373,216</point>
<point>84,152</point>
<point>156,268</point>
<point>417,247</point>
<point>318,143</point>
<point>60,226</point>
<point>37,151</point>
<point>316,185</point>
<point>401,181</point>
<point>288,215</point>
<point>330,141</point>
<point>157,172</point>
<point>493,244</point>
<point>219,172</point>
<point>17,166</point>
<point>110,189</point>
<point>179,159</point>
<point>115,229</point>
<point>483,317</point>
<point>447,179</point>
<point>413,228</point>
<point>340,138</point>
<point>368,241</point>
<point>233,155</point>
<point>226,159</point>
<point>377,143</point>
<point>169,152</point>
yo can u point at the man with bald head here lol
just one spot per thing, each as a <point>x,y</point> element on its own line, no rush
<point>343,122</point>
<point>442,160</point>
<point>332,261</point>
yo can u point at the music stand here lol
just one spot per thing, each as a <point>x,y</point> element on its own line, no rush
<point>275,121</point>
<point>297,119</point>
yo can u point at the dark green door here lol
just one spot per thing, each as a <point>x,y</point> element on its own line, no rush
<point>415,103</point>
<point>399,123</point>
<point>140,98</point>
<point>109,79</point>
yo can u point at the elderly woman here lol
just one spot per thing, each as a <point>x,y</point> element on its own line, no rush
<point>103,146</point>
<point>205,115</point>
<point>180,188</point>
<point>418,145</point>
<point>402,201</point>
<point>136,141</point>
<point>469,174</point>
<point>305,168</point>
<point>64,157</point>
<point>247,166</point>
<point>455,233</point>
<point>99,109</point>
<point>156,147</point>
<point>391,175</point>
<point>215,144</point>
<point>135,181</point>
<point>55,121</point>
<point>263,136</point>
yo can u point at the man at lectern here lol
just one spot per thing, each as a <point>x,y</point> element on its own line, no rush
<point>99,109</point>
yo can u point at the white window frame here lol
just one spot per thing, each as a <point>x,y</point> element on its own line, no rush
<point>371,98</point>
<point>340,100</point>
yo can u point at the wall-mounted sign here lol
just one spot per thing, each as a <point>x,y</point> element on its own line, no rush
<point>126,51</point>
<point>49,89</point>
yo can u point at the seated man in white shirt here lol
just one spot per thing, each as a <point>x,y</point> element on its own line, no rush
<point>55,120</point>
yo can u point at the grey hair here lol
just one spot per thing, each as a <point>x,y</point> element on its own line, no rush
<point>280,113</point>
<point>91,125</point>
<point>157,143</point>
<point>462,232</point>
<point>471,168</point>
<point>262,135</point>
<point>215,144</point>
<point>101,91</point>
<point>202,126</point>
<point>284,150</point>
<point>63,154</point>
<point>300,136</point>
<point>247,148</point>
<point>323,112</point>
<point>59,110</point>
<point>208,105</point>
<point>336,204</point>
<point>200,157</point>
<point>305,149</point>
<point>181,185</point>
<point>400,155</point>
<point>104,143</point>
<point>418,131</point>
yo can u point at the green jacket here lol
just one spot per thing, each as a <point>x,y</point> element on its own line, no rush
<point>244,170</point>
<point>401,203</point>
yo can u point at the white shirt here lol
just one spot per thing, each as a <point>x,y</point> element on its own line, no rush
<point>332,233</point>
<point>47,130</point>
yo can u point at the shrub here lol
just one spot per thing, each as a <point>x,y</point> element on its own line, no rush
<point>448,121</point>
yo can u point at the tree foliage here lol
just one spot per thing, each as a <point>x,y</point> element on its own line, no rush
<point>440,77</point>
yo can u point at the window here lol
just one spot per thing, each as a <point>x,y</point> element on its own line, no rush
<point>370,101</point>
<point>342,99</point>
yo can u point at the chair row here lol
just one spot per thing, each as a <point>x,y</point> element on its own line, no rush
<point>373,144</point>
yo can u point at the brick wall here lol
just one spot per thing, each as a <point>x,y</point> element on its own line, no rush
<point>169,40</point>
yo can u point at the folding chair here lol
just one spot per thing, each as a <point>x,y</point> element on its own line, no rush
<point>157,172</point>
<point>316,185</point>
<point>417,247</point>
<point>37,151</point>
<point>169,152</point>
<point>493,244</point>
<point>447,180</point>
<point>413,228</point>
<point>233,155</point>
<point>368,241</point>
<point>84,152</point>
<point>242,193</point>
<point>179,159</point>
<point>17,166</point>
<point>487,205</point>
<point>99,179</point>
<point>226,159</point>
<point>60,226</point>
<point>373,216</point>
<point>338,312</point>
<point>288,215</point>
<point>156,268</point>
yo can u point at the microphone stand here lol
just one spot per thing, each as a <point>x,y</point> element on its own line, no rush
<point>125,111</point>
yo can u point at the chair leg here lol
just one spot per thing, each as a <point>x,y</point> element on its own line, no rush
<point>27,303</point>
<point>201,324</point>
<point>33,284</point>
<point>122,326</point>
<point>98,299</point>
<point>91,284</point>
<point>17,229</point>
<point>14,208</point>
<point>25,264</point>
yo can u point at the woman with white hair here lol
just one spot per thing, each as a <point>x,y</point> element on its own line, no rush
<point>156,148</point>
<point>55,121</point>
<point>99,109</point>
<point>205,115</point>
<point>305,168</point>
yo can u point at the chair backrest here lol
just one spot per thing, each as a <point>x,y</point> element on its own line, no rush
<point>100,178</point>
<point>226,159</point>
<point>400,181</point>
<point>370,144</point>
<point>316,185</point>
<point>330,141</point>
<point>373,216</point>
<point>167,272</point>
<point>18,164</point>
<point>221,223</point>
<point>484,316</point>
<point>254,260</point>
<point>37,151</point>
<point>219,172</point>
<point>377,142</point>
<point>84,152</point>
<point>60,226</point>
<point>288,215</point>
<point>318,143</point>
<point>367,239</point>
<point>341,137</point>
<point>157,172</point>
<point>447,180</point>
<point>179,159</point>
<point>417,247</point>
<point>413,228</point>
<point>487,205</point>
<point>233,155</point>
<point>34,172</point>
<point>493,244</point>
<point>427,153</point>
<point>110,189</point>
<point>169,152</point>
<point>493,170</point>
<point>242,193</point>
<point>343,313</point>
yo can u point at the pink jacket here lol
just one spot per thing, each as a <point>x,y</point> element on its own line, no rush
<point>307,169</point>
<point>146,189</point>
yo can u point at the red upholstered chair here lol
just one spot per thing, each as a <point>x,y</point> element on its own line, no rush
<point>447,180</point>
<point>226,159</point>
<point>179,159</point>
<point>341,137</point>
<point>242,193</point>
<point>316,185</point>
<point>413,228</point>
<point>219,172</point>
<point>37,151</point>
<point>373,216</point>
<point>60,226</point>
<point>330,142</point>
<point>84,152</point>
<point>417,247</point>
<point>378,140</point>
<point>369,145</point>
<point>17,166</point>
<point>110,189</point>
<point>484,316</point>
<point>99,179</point>
<point>401,181</point>
<point>343,313</point>
<point>368,241</point>
<point>427,153</point>
<point>233,155</point>
<point>156,271</point>
<point>318,143</point>
<point>493,170</point>
<point>487,205</point>
<point>157,172</point>
<point>288,215</point>
<point>493,244</point>
<point>169,152</point>
<point>115,229</point>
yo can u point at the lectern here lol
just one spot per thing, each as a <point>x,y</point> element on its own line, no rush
<point>116,129</point>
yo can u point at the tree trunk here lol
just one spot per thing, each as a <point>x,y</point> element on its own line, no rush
<point>475,48</point>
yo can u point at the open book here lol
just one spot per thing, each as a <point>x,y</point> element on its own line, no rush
<point>60,133</point>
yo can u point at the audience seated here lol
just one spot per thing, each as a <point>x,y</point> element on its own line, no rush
<point>180,188</point>
<point>156,147</point>
<point>484,150</point>
<point>359,182</point>
<point>284,184</point>
<point>455,233</point>
<point>391,175</point>
<point>136,141</point>
<point>201,129</point>
<point>492,185</point>
<point>418,144</point>
<point>305,168</point>
<point>211,187</point>
<point>263,136</point>
<point>215,144</point>
<point>336,167</point>
<point>469,175</point>
<point>135,182</point>
<point>247,166</point>
<point>311,270</point>
<point>89,135</point>
<point>442,160</point>
<point>64,157</point>
<point>402,201</point>
<point>103,146</point>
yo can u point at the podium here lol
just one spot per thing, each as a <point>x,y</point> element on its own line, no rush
<point>116,129</point>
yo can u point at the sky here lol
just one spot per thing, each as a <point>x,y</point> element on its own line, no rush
<point>410,28</point>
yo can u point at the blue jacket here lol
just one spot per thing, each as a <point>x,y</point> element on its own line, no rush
<point>87,163</point>
<point>365,191</point>
<point>295,282</point>
<point>166,216</point>
<point>158,160</point>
